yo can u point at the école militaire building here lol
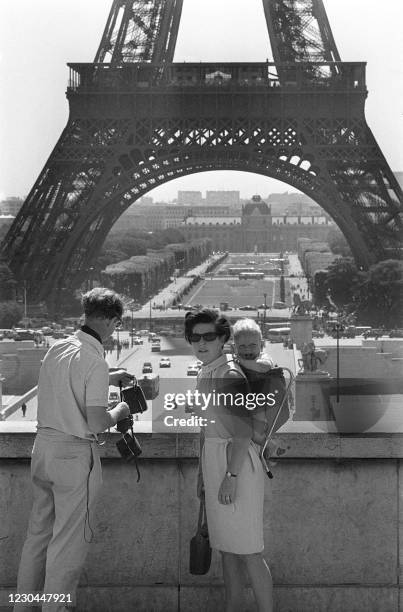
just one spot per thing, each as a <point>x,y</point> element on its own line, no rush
<point>257,229</point>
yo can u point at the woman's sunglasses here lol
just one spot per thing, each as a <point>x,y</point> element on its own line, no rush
<point>208,337</point>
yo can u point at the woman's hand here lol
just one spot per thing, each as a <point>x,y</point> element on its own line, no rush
<point>226,494</point>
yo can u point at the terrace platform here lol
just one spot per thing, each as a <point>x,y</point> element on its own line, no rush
<point>333,524</point>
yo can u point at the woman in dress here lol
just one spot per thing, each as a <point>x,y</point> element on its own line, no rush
<point>233,476</point>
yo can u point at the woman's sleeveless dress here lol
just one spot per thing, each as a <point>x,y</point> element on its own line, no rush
<point>237,527</point>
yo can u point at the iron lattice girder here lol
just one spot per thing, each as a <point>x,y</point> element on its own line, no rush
<point>117,147</point>
<point>299,31</point>
<point>140,31</point>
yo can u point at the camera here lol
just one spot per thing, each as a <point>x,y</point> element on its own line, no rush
<point>128,447</point>
<point>135,399</point>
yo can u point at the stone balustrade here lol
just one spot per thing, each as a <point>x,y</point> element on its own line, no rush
<point>333,524</point>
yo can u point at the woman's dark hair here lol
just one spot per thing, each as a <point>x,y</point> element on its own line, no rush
<point>206,315</point>
<point>102,303</point>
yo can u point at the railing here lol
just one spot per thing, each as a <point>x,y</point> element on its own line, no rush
<point>128,77</point>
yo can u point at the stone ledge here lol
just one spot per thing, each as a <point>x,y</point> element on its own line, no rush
<point>301,439</point>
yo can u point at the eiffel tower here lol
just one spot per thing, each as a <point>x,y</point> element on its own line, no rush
<point>138,120</point>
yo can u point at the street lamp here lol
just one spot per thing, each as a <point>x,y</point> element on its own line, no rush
<point>264,314</point>
<point>117,344</point>
<point>132,340</point>
<point>25,302</point>
<point>337,328</point>
<point>307,286</point>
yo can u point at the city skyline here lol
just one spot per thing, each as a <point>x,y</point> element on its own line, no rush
<point>34,114</point>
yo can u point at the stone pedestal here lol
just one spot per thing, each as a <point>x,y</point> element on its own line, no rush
<point>300,329</point>
<point>312,397</point>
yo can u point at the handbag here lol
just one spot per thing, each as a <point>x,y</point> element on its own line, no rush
<point>200,549</point>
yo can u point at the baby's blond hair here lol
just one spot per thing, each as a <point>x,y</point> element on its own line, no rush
<point>246,325</point>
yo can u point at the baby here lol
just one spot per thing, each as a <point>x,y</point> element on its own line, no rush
<point>256,364</point>
<point>248,346</point>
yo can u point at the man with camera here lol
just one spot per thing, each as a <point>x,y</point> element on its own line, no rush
<point>65,467</point>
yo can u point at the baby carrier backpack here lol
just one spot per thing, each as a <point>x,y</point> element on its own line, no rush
<point>275,412</point>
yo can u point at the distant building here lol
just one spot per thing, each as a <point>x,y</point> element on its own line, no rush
<point>11,206</point>
<point>293,204</point>
<point>210,211</point>
<point>143,201</point>
<point>256,229</point>
<point>190,198</point>
<point>223,198</point>
<point>5,224</point>
<point>163,216</point>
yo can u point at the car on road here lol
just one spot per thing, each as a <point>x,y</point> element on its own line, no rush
<point>147,368</point>
<point>279,305</point>
<point>192,370</point>
<point>113,398</point>
<point>150,385</point>
<point>165,362</point>
<point>247,307</point>
<point>137,340</point>
<point>396,333</point>
<point>318,333</point>
<point>155,347</point>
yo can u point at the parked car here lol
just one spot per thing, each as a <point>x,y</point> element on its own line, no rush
<point>247,307</point>
<point>165,362</point>
<point>113,398</point>
<point>138,340</point>
<point>376,333</point>
<point>317,333</point>
<point>192,370</point>
<point>155,347</point>
<point>280,305</point>
<point>58,333</point>
<point>24,334</point>
<point>147,368</point>
<point>396,333</point>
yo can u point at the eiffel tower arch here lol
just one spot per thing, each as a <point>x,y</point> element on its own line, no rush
<point>137,120</point>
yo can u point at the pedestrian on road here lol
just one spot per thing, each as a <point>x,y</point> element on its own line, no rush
<point>23,409</point>
<point>65,467</point>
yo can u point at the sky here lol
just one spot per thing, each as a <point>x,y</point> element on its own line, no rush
<point>39,37</point>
